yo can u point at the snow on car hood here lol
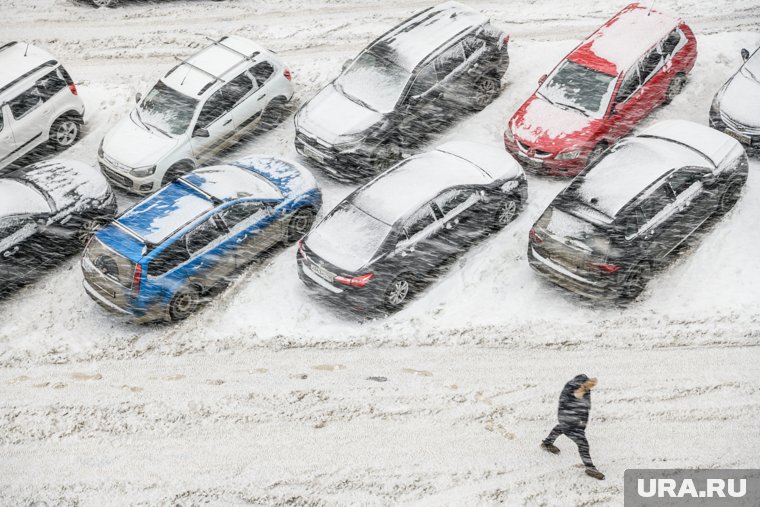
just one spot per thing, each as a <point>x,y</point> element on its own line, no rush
<point>134,146</point>
<point>740,102</point>
<point>334,118</point>
<point>68,182</point>
<point>551,128</point>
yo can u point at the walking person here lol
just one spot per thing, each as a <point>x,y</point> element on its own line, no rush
<point>574,406</point>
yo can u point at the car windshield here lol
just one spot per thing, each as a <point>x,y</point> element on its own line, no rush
<point>751,69</point>
<point>374,82</point>
<point>578,87</point>
<point>348,238</point>
<point>167,110</point>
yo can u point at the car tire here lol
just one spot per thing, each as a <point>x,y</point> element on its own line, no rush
<point>506,213</point>
<point>674,88</point>
<point>300,223</point>
<point>487,88</point>
<point>273,114</point>
<point>730,195</point>
<point>596,153</point>
<point>398,292</point>
<point>175,172</point>
<point>635,281</point>
<point>65,131</point>
<point>184,303</point>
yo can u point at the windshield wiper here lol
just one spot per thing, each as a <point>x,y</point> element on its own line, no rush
<point>137,113</point>
<point>568,106</point>
<point>544,97</point>
<point>159,129</point>
<point>352,98</point>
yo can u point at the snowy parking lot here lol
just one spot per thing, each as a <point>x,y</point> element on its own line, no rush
<point>267,396</point>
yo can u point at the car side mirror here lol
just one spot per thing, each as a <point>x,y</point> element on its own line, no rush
<point>709,180</point>
<point>542,79</point>
<point>201,132</point>
<point>138,97</point>
<point>745,54</point>
<point>347,63</point>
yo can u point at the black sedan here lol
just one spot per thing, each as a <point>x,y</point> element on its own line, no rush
<point>386,239</point>
<point>48,211</point>
<point>618,220</point>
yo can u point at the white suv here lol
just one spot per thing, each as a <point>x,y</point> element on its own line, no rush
<point>198,108</point>
<point>38,102</point>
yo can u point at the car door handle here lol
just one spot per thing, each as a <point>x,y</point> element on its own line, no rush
<point>12,252</point>
<point>262,97</point>
<point>240,239</point>
<point>227,122</point>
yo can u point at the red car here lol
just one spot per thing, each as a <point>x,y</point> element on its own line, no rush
<point>633,63</point>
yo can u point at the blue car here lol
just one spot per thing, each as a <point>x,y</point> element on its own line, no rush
<point>166,255</point>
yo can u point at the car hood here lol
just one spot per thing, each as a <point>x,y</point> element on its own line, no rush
<point>739,101</point>
<point>334,118</point>
<point>133,145</point>
<point>550,128</point>
<point>69,183</point>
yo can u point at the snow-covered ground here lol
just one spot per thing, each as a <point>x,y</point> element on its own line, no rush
<point>263,397</point>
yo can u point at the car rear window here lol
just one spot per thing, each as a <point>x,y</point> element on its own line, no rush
<point>109,263</point>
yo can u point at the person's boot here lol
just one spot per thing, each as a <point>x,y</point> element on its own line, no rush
<point>593,472</point>
<point>550,447</point>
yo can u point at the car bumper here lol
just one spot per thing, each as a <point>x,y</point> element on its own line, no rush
<point>586,287</point>
<point>118,178</point>
<point>356,299</point>
<point>342,164</point>
<point>751,143</point>
<point>136,315</point>
<point>548,166</point>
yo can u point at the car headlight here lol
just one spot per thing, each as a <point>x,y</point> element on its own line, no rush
<point>510,185</point>
<point>568,155</point>
<point>142,172</point>
<point>509,135</point>
<point>100,148</point>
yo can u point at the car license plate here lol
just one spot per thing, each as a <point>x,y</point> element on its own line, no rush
<point>312,153</point>
<point>322,272</point>
<point>532,164</point>
<point>739,137</point>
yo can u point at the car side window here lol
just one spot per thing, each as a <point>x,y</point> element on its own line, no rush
<point>240,212</point>
<point>2,122</point>
<point>50,84</point>
<point>449,60</point>
<point>236,90</point>
<point>631,83</point>
<point>656,202</point>
<point>451,199</point>
<point>671,42</point>
<point>202,236</point>
<point>683,179</point>
<point>13,230</point>
<point>212,110</point>
<point>171,257</point>
<point>650,63</point>
<point>419,221</point>
<point>26,102</point>
<point>262,71</point>
<point>472,45</point>
<point>424,81</point>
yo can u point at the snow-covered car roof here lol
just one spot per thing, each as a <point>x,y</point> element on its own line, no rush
<point>223,59</point>
<point>630,168</point>
<point>621,41</point>
<point>713,144</point>
<point>226,182</point>
<point>414,40</point>
<point>415,181</point>
<point>19,58</point>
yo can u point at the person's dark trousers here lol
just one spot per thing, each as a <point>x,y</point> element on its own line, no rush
<point>577,435</point>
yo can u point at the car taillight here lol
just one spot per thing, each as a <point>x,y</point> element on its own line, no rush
<point>73,89</point>
<point>604,267</point>
<point>535,237</point>
<point>136,281</point>
<point>505,40</point>
<point>287,74</point>
<point>359,281</point>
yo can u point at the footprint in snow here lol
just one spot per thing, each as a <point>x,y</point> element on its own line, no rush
<point>215,382</point>
<point>329,367</point>
<point>378,379</point>
<point>298,376</point>
<point>19,379</point>
<point>84,376</point>
<point>134,389</point>
<point>419,373</point>
<point>178,376</point>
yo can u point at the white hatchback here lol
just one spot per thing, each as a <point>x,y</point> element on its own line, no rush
<point>39,102</point>
<point>202,105</point>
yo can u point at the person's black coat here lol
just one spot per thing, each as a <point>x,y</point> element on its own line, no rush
<point>572,411</point>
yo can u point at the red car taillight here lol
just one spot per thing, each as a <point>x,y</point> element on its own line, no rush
<point>136,278</point>
<point>505,40</point>
<point>606,268</point>
<point>287,74</point>
<point>535,237</point>
<point>359,281</point>
<point>73,89</point>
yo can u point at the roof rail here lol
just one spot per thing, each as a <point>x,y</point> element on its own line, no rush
<point>219,43</point>
<point>6,46</point>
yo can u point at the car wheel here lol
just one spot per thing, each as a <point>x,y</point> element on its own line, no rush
<point>398,292</point>
<point>184,303</point>
<point>506,212</point>
<point>487,88</point>
<point>175,172</point>
<point>87,229</point>
<point>273,114</point>
<point>300,223</point>
<point>731,195</point>
<point>65,132</point>
<point>596,153</point>
<point>635,281</point>
<point>674,88</point>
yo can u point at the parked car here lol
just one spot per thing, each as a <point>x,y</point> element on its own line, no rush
<point>381,243</point>
<point>604,235</point>
<point>172,251</point>
<point>735,109</point>
<point>432,66</point>
<point>636,61</point>
<point>202,105</point>
<point>39,102</point>
<point>114,3</point>
<point>48,211</point>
